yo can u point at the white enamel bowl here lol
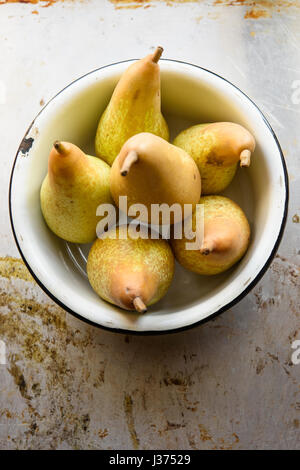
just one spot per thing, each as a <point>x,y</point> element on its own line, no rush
<point>190,95</point>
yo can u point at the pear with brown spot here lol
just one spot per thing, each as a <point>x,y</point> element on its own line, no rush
<point>217,149</point>
<point>132,272</point>
<point>225,241</point>
<point>135,107</point>
<point>151,171</point>
<point>76,184</point>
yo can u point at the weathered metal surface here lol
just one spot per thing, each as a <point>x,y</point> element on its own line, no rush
<point>227,384</point>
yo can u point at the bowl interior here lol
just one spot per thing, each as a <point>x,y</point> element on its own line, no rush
<point>190,95</point>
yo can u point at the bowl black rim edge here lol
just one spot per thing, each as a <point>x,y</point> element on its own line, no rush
<point>222,309</point>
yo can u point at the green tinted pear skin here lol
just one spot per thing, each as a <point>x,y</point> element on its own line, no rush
<point>74,187</point>
<point>226,238</point>
<point>217,149</point>
<point>130,273</point>
<point>135,107</point>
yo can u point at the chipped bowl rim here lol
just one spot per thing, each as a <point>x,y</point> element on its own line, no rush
<point>221,309</point>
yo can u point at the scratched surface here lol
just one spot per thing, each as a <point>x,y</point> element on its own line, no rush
<point>229,384</point>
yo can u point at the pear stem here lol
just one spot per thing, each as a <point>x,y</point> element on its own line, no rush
<point>206,247</point>
<point>245,158</point>
<point>139,305</point>
<point>130,158</point>
<point>59,146</point>
<point>157,54</point>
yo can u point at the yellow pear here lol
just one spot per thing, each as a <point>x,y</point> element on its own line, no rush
<point>150,171</point>
<point>130,272</point>
<point>75,185</point>
<point>225,241</point>
<point>135,107</point>
<point>217,149</point>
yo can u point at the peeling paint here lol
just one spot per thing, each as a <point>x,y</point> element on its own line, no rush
<point>26,145</point>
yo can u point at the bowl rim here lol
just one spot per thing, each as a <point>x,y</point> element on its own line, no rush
<point>224,307</point>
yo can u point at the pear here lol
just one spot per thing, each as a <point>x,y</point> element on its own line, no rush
<point>75,185</point>
<point>217,149</point>
<point>135,107</point>
<point>225,241</point>
<point>149,170</point>
<point>128,271</point>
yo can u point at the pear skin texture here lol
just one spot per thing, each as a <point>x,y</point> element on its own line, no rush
<point>226,238</point>
<point>119,270</point>
<point>71,192</point>
<point>162,173</point>
<point>135,107</point>
<point>216,148</point>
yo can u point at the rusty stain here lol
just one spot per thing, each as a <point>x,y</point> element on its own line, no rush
<point>260,366</point>
<point>273,357</point>
<point>293,336</point>
<point>45,3</point>
<point>171,426</point>
<point>42,102</point>
<point>296,423</point>
<point>134,4</point>
<point>128,408</point>
<point>254,14</point>
<point>14,268</point>
<point>296,219</point>
<point>26,145</point>
<point>289,271</point>
<point>19,380</point>
<point>100,379</point>
<point>102,433</point>
<point>204,434</point>
<point>179,380</point>
<point>36,330</point>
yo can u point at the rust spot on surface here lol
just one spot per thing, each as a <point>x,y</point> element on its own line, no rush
<point>19,380</point>
<point>134,4</point>
<point>171,426</point>
<point>102,433</point>
<point>14,268</point>
<point>179,380</point>
<point>260,8</point>
<point>260,366</point>
<point>100,379</point>
<point>254,14</point>
<point>204,434</point>
<point>26,145</point>
<point>296,219</point>
<point>45,3</point>
<point>128,408</point>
